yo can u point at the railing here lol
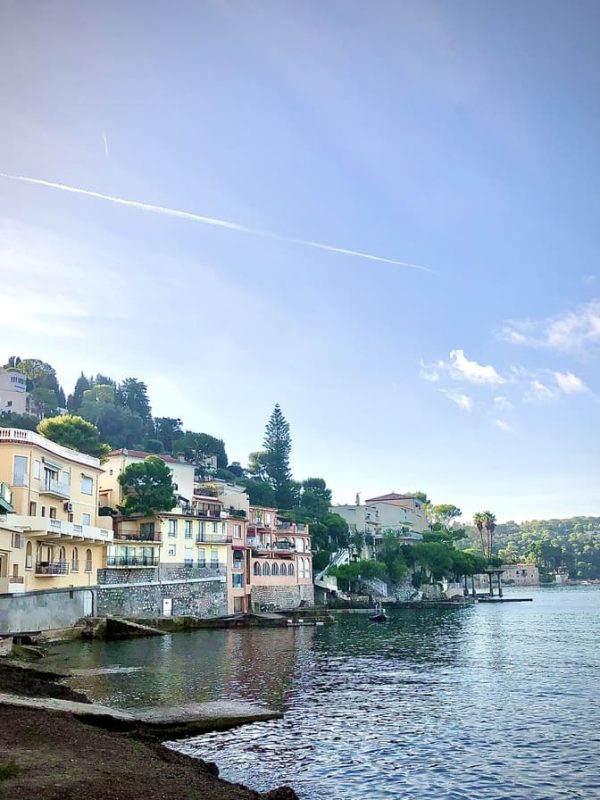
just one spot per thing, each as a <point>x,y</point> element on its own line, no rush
<point>213,538</point>
<point>60,526</point>
<point>16,579</point>
<point>51,568</point>
<point>29,437</point>
<point>209,514</point>
<point>210,565</point>
<point>131,561</point>
<point>52,486</point>
<point>134,536</point>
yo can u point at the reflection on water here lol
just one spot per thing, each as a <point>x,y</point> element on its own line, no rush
<point>482,702</point>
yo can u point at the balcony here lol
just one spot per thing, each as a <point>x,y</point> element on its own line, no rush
<point>132,561</point>
<point>213,538</point>
<point>56,488</point>
<point>20,436</point>
<point>58,528</point>
<point>136,536</point>
<point>51,568</point>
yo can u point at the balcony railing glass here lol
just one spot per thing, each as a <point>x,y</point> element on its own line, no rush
<point>51,568</point>
<point>132,561</point>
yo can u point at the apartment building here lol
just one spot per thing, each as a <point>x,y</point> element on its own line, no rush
<point>50,533</point>
<point>280,560</point>
<point>13,391</point>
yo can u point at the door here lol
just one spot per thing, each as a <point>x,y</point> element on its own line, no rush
<point>87,604</point>
<point>167,606</point>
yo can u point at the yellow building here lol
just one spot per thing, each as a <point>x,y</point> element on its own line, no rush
<point>50,519</point>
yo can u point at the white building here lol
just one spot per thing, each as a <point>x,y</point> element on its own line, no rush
<point>398,513</point>
<point>13,391</point>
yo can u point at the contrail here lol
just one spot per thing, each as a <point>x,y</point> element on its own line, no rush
<point>220,223</point>
<point>105,144</point>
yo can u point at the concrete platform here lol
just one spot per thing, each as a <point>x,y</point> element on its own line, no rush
<point>158,723</point>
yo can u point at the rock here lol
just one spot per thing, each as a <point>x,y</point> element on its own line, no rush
<point>282,793</point>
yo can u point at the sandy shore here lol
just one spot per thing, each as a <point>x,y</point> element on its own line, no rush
<point>53,756</point>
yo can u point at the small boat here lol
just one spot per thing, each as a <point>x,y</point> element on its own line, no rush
<point>379,615</point>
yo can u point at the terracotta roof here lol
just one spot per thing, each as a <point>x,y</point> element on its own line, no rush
<point>391,496</point>
<point>141,454</point>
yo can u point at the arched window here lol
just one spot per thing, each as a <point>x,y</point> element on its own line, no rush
<point>301,568</point>
<point>291,569</point>
<point>28,556</point>
<point>75,560</point>
<point>256,568</point>
<point>274,569</point>
<point>39,553</point>
<point>300,545</point>
<point>283,570</point>
<point>62,555</point>
<point>49,554</point>
<point>88,560</point>
<point>266,570</point>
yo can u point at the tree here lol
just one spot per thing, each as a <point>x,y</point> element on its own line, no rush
<point>479,521</point>
<point>278,444</point>
<point>391,554</point>
<point>75,400</point>
<point>236,469</point>
<point>167,430</point>
<point>10,419</point>
<point>260,493</point>
<point>74,432</point>
<point>45,401</point>
<point>445,513</point>
<point>133,394</point>
<point>39,374</point>
<point>257,465</point>
<point>147,487</point>
<point>196,447</point>
<point>119,426</point>
<point>489,523</point>
<point>315,498</point>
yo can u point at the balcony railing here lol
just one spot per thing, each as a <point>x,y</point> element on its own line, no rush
<point>51,568</point>
<point>213,538</point>
<point>132,561</point>
<point>57,488</point>
<point>135,536</point>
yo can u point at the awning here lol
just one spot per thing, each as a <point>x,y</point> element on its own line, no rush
<point>6,506</point>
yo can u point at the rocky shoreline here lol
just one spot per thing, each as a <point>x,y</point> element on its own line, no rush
<point>56,756</point>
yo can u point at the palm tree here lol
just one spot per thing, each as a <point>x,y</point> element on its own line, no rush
<point>489,523</point>
<point>479,522</point>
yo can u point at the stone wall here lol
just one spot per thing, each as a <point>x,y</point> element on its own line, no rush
<point>123,575</point>
<point>42,611</point>
<point>282,596</point>
<point>200,597</point>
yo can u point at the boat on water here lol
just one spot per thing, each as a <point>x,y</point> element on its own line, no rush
<point>379,615</point>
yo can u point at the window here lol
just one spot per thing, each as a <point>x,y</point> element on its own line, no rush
<point>257,568</point>
<point>237,581</point>
<point>36,470</point>
<point>283,570</point>
<point>172,550</point>
<point>214,558</point>
<point>238,559</point>
<point>188,528</point>
<point>86,519</point>
<point>75,560</point>
<point>20,468</point>
<point>275,569</point>
<point>52,512</point>
<point>62,555</point>
<point>201,557</point>
<point>214,527</point>
<point>17,542</point>
<point>8,403</point>
<point>88,560</point>
<point>32,509</point>
<point>87,485</point>
<point>237,531</point>
<point>147,531</point>
<point>28,556</point>
<point>291,569</point>
<point>172,527</point>
<point>265,568</point>
<point>43,511</point>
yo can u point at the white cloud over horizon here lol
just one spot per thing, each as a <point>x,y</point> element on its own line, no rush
<point>569,332</point>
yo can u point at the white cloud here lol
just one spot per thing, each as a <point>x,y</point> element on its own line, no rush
<point>502,404</point>
<point>570,332</point>
<point>461,367</point>
<point>502,425</point>
<point>463,401</point>
<point>538,392</point>
<point>569,383</point>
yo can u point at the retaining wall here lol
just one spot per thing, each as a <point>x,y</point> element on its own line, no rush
<point>199,597</point>
<point>46,610</point>
<point>283,596</point>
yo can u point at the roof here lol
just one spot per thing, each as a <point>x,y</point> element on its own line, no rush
<point>123,451</point>
<point>391,496</point>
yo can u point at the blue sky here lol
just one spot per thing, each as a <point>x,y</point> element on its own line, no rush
<point>457,136</point>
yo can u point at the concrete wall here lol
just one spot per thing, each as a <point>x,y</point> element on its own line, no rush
<point>38,611</point>
<point>201,597</point>
<point>283,596</point>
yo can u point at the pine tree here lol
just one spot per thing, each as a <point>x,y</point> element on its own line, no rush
<point>277,446</point>
<point>74,400</point>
